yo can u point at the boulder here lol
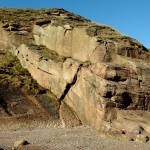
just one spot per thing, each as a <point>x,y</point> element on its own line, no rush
<point>142,138</point>
<point>20,143</point>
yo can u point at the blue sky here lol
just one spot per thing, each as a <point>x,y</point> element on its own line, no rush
<point>131,17</point>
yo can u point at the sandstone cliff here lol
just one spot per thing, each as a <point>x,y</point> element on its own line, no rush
<point>100,74</point>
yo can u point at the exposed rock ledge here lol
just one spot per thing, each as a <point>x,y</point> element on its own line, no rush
<point>102,75</point>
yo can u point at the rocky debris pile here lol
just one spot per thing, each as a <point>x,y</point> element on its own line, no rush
<point>100,74</point>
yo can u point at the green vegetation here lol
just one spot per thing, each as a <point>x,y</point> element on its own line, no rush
<point>46,54</point>
<point>13,74</point>
<point>18,18</point>
<point>102,31</point>
<point>19,88</point>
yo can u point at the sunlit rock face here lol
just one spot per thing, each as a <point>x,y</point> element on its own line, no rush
<point>100,74</point>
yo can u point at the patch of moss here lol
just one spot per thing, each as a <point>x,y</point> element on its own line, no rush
<point>102,31</point>
<point>47,53</point>
<point>28,17</point>
<point>5,59</point>
<point>16,75</point>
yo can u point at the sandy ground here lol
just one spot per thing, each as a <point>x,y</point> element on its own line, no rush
<point>79,138</point>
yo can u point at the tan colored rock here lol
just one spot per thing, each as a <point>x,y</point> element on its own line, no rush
<point>94,87</point>
<point>49,73</point>
<point>66,43</point>
<point>94,91</point>
<point>67,27</point>
<point>88,93</point>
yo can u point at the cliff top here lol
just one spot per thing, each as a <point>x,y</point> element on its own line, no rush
<point>27,17</point>
<point>19,19</point>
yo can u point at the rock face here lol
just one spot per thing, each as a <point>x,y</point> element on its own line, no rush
<point>102,75</point>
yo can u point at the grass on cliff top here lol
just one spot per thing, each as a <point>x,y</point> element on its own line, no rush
<point>102,31</point>
<point>28,17</point>
<point>12,73</point>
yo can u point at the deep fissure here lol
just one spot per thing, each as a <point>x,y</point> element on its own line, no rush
<point>69,85</point>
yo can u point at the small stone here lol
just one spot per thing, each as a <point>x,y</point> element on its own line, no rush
<point>147,138</point>
<point>123,132</point>
<point>20,143</point>
<point>67,27</point>
<point>138,130</point>
<point>142,138</point>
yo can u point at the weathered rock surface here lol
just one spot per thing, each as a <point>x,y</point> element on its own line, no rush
<point>102,75</point>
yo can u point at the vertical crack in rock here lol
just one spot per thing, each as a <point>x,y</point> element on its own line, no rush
<point>107,52</point>
<point>69,85</point>
<point>67,28</point>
